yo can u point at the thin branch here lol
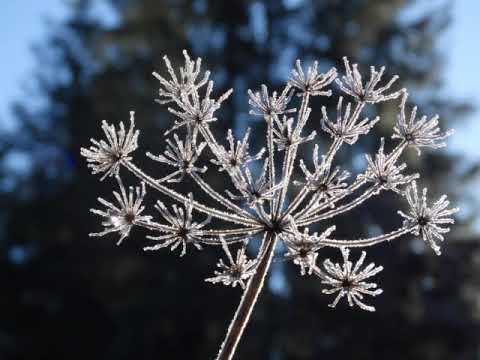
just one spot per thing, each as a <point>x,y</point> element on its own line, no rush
<point>313,208</point>
<point>221,199</point>
<point>367,241</point>
<point>182,199</point>
<point>291,154</point>
<point>248,301</point>
<point>334,147</point>
<point>271,159</point>
<point>341,209</point>
<point>231,232</point>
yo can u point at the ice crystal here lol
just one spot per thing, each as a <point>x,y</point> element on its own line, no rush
<point>264,204</point>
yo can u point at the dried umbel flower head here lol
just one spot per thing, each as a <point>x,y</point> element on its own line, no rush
<point>255,191</point>
<point>324,181</point>
<point>346,128</point>
<point>193,112</point>
<point>171,90</point>
<point>284,136</point>
<point>264,207</point>
<point>181,155</point>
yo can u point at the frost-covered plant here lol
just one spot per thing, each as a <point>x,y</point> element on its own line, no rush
<point>272,206</point>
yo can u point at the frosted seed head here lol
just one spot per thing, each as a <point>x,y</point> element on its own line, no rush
<point>313,82</point>
<point>429,222</point>
<point>105,156</point>
<point>262,104</point>
<point>348,280</point>
<point>275,208</point>
<point>237,271</point>
<point>419,133</point>
<point>351,83</point>
<point>122,217</point>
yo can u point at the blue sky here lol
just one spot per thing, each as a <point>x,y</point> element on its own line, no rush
<point>23,23</point>
<point>462,74</point>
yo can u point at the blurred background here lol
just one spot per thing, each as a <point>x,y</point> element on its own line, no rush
<point>69,64</point>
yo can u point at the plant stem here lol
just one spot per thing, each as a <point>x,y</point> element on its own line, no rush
<point>249,298</point>
<point>182,199</point>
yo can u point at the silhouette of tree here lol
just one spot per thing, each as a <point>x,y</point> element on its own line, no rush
<point>67,295</point>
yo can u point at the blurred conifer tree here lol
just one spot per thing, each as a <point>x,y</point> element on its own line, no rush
<point>69,296</point>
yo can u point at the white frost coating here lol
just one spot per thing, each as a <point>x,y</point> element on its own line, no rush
<point>428,222</point>
<point>348,280</point>
<point>419,133</point>
<point>267,204</point>
<point>237,270</point>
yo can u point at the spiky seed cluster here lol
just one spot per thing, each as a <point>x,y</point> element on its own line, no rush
<point>236,271</point>
<point>284,136</point>
<point>347,280</point>
<point>419,133</point>
<point>255,191</point>
<point>302,247</point>
<point>105,156</point>
<point>175,87</point>
<point>238,155</point>
<point>182,229</point>
<point>120,219</point>
<point>182,155</point>
<point>352,84</point>
<point>265,105</point>
<point>428,222</point>
<point>312,83</point>
<point>346,126</point>
<point>194,112</point>
<point>325,182</point>
<point>273,212</point>
<point>383,171</point>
